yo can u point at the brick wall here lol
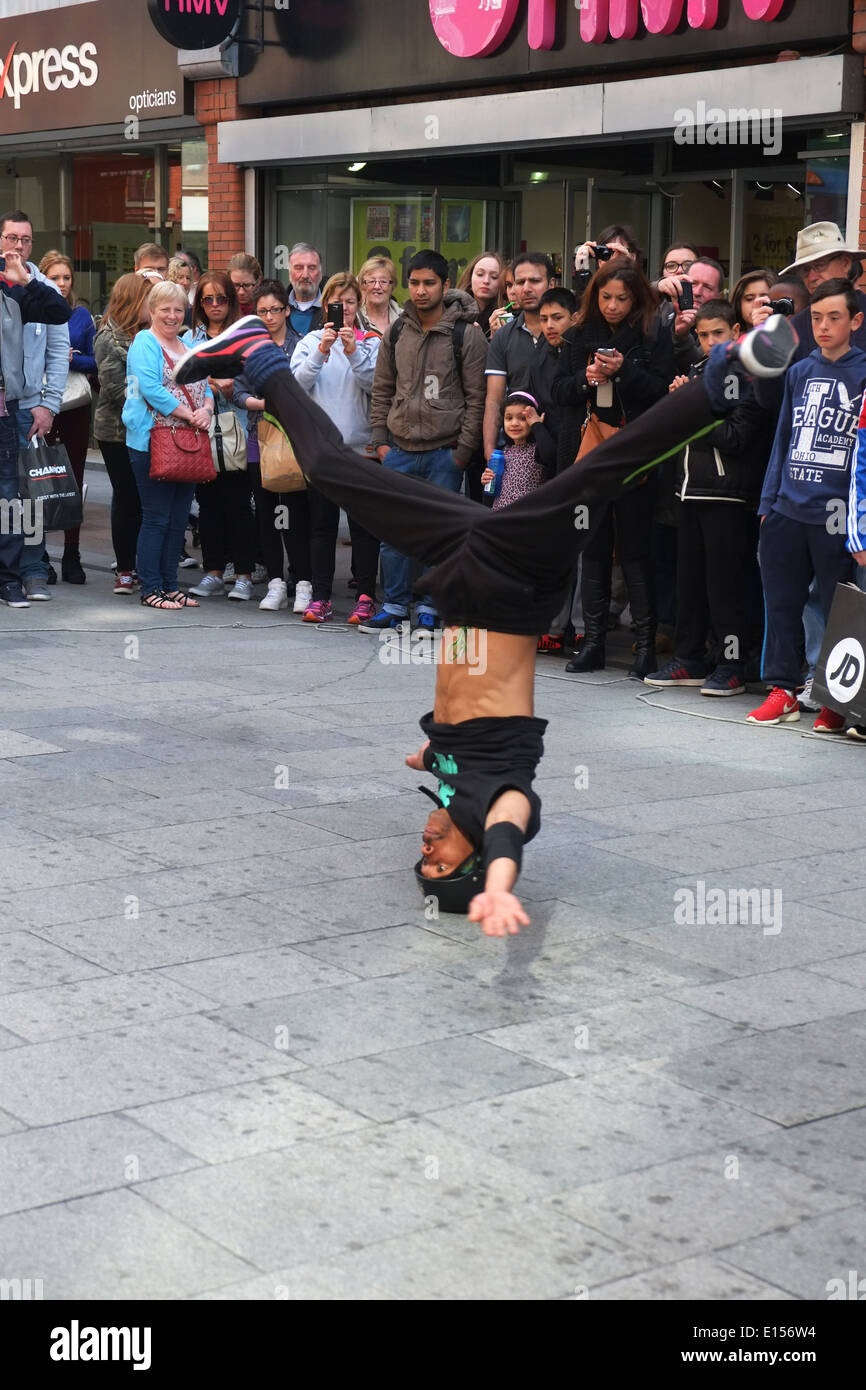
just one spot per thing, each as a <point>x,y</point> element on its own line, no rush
<point>217,101</point>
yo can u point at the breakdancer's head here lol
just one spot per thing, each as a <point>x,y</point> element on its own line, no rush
<point>450,867</point>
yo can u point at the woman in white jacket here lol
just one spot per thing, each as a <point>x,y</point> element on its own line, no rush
<point>335,365</point>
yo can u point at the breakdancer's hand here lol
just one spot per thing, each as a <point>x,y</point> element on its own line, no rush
<point>500,913</point>
<point>416,760</point>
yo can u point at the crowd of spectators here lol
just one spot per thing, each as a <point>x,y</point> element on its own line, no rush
<point>726,555</point>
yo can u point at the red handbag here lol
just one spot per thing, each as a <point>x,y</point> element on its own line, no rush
<point>181,453</point>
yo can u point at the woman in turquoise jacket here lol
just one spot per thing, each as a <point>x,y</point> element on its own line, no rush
<point>152,391</point>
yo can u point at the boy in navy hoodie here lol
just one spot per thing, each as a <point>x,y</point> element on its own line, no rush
<point>804,503</point>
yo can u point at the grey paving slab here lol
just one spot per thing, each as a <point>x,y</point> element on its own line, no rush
<point>114,1246</point>
<point>385,951</point>
<point>848,903</point>
<point>849,969</point>
<point>251,975</point>
<point>370,1016</point>
<point>776,999</point>
<point>707,847</point>
<point>51,864</point>
<point>789,1075</point>
<point>382,815</point>
<point>18,745</point>
<point>26,962</point>
<point>312,1202</point>
<point>91,1006</point>
<point>830,1151</point>
<point>579,1131</point>
<point>48,1083</point>
<point>698,1204</point>
<point>36,908</point>
<point>808,934</point>
<point>172,935</point>
<point>322,1282</point>
<point>57,1162</point>
<point>348,905</point>
<point>701,1278</point>
<point>219,840</point>
<point>806,1256</point>
<point>236,1121</point>
<point>415,1080</point>
<point>613,1035</point>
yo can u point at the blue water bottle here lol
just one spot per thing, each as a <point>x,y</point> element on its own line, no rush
<point>497,463</point>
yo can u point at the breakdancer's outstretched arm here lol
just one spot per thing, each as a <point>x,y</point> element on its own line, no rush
<point>498,579</point>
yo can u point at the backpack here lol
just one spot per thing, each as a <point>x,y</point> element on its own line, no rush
<point>457,335</point>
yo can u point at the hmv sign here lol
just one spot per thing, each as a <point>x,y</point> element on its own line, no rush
<point>324,50</point>
<point>195,23</point>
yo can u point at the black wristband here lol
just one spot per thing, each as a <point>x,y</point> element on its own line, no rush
<point>503,840</point>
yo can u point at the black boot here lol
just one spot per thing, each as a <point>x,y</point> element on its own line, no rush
<point>641,597</point>
<point>595,597</point>
<point>70,566</point>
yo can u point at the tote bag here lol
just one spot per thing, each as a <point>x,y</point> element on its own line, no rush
<point>281,471</point>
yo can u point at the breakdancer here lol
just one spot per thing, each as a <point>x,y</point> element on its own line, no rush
<point>497,577</point>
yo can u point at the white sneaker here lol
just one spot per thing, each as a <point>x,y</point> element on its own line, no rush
<point>805,697</point>
<point>260,574</point>
<point>229,574</point>
<point>209,586</point>
<point>303,596</point>
<point>277,596</point>
<point>243,588</point>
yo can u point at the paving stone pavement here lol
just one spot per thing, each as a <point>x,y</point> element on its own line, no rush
<point>240,1060</point>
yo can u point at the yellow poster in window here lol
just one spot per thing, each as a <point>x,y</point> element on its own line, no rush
<point>400,227</point>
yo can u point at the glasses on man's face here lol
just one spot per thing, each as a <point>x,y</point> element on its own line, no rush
<point>17,240</point>
<point>671,267</point>
<point>214,299</point>
<point>266,313</point>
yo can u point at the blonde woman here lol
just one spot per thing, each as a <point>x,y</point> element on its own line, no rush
<point>72,427</point>
<point>164,506</point>
<point>378,280</point>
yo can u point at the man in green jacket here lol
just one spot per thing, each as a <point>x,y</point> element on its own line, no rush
<point>428,408</point>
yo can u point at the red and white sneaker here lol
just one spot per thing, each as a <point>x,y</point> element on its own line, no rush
<point>828,722</point>
<point>125,583</point>
<point>223,355</point>
<point>778,708</point>
<point>364,610</point>
<point>319,611</point>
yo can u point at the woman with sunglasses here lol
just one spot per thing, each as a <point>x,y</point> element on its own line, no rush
<point>225,522</point>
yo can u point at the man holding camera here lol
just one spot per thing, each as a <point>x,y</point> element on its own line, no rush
<point>822,254</point>
<point>687,291</point>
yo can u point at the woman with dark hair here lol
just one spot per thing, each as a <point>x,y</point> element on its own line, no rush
<point>615,363</point>
<point>225,519</point>
<point>72,427</point>
<point>751,289</point>
<point>484,279</point>
<point>126,315</point>
<point>616,240</point>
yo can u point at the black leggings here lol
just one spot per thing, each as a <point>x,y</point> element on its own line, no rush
<point>125,503</point>
<point>507,570</point>
<point>324,526</point>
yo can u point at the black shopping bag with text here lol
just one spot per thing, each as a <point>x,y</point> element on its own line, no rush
<point>840,676</point>
<point>47,483</point>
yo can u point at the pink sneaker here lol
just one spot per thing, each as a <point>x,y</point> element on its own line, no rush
<point>364,609</point>
<point>319,611</point>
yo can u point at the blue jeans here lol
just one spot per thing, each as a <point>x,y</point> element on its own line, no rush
<point>164,515</point>
<point>11,545</point>
<point>813,627</point>
<point>436,466</point>
<point>34,558</point>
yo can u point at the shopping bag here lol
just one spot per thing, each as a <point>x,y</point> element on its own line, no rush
<point>281,471</point>
<point>45,477</point>
<point>840,676</point>
<point>78,392</point>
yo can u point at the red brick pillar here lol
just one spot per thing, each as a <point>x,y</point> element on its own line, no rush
<point>216,101</point>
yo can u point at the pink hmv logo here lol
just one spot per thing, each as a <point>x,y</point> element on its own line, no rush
<point>474,28</point>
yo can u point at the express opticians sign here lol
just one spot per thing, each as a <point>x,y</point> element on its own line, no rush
<point>474,28</point>
<point>73,66</point>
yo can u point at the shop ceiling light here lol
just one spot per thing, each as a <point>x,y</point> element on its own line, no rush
<point>538,177</point>
<point>357,166</point>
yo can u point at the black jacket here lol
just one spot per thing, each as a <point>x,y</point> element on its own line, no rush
<point>646,373</point>
<point>728,465</point>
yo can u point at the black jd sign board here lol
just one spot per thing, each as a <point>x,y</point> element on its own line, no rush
<point>840,676</point>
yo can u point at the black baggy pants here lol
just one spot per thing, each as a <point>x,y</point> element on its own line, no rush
<point>716,543</point>
<point>507,570</point>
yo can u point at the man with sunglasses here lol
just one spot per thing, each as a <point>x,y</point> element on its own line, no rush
<point>46,367</point>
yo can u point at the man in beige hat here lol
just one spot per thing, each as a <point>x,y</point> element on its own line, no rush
<point>823,254</point>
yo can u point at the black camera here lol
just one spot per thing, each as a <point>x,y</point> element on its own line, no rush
<point>602,253</point>
<point>783,306</point>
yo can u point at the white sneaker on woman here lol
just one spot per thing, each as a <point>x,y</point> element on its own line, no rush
<point>243,589</point>
<point>277,596</point>
<point>303,596</point>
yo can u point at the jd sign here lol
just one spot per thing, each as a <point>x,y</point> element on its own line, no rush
<point>474,28</point>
